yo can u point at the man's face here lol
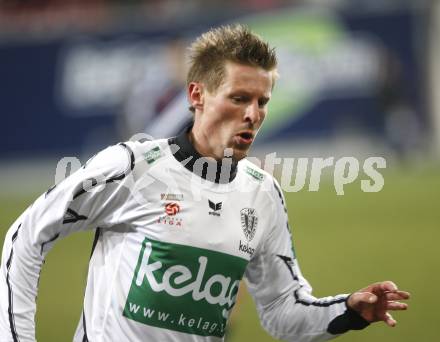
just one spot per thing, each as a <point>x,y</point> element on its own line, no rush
<point>231,116</point>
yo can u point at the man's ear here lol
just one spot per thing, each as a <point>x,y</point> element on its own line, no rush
<point>196,95</point>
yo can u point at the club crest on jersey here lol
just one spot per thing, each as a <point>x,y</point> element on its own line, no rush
<point>249,221</point>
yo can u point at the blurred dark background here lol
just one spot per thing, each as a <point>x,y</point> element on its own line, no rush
<point>358,78</point>
<point>79,75</point>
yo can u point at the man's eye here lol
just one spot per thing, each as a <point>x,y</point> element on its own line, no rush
<point>263,102</point>
<point>238,99</point>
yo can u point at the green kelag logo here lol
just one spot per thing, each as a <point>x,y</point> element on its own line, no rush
<point>152,155</point>
<point>182,288</point>
<point>254,173</point>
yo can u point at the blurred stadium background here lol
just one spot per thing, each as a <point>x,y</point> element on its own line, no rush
<point>358,78</point>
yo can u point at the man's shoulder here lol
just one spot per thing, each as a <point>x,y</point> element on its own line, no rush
<point>253,172</point>
<point>257,178</point>
<point>143,143</point>
<point>114,161</point>
<point>122,157</point>
<point>150,150</point>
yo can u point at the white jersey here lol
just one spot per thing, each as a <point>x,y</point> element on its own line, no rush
<point>170,249</point>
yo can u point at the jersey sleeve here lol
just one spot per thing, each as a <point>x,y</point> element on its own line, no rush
<point>91,197</point>
<point>284,300</point>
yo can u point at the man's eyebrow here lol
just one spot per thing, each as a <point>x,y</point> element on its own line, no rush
<point>241,91</point>
<point>247,93</point>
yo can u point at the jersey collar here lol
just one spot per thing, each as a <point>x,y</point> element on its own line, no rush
<point>184,151</point>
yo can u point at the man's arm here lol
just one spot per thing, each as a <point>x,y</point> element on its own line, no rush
<point>284,300</point>
<point>88,198</point>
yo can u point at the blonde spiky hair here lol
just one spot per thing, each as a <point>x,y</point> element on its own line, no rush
<point>235,43</point>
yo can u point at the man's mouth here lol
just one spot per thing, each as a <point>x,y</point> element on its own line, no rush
<point>245,137</point>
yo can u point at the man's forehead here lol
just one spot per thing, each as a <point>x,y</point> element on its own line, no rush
<point>246,75</point>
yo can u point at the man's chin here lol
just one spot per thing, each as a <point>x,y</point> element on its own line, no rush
<point>240,152</point>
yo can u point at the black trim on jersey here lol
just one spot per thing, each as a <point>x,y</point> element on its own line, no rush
<point>49,241</point>
<point>10,297</point>
<point>95,241</point>
<point>280,195</point>
<point>289,263</point>
<point>132,160</point>
<point>115,178</point>
<point>50,190</point>
<point>349,320</point>
<point>72,216</point>
<point>85,338</point>
<point>187,155</point>
<point>320,303</point>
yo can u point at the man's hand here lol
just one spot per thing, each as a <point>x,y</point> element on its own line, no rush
<point>374,301</point>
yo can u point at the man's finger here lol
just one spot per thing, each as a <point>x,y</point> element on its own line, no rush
<point>388,286</point>
<point>399,295</point>
<point>396,306</point>
<point>389,320</point>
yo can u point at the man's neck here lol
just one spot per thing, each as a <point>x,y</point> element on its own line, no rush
<point>201,144</point>
<point>218,171</point>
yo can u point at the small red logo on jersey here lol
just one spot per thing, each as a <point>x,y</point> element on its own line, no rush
<point>172,209</point>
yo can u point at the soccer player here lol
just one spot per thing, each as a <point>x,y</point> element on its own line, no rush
<point>179,222</point>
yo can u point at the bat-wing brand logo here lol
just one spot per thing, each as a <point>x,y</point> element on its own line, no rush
<point>215,207</point>
<point>172,209</point>
<point>249,221</point>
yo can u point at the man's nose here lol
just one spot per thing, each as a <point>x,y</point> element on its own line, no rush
<point>252,114</point>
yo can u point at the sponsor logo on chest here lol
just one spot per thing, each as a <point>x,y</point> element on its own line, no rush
<point>183,288</point>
